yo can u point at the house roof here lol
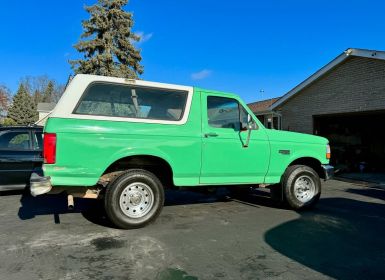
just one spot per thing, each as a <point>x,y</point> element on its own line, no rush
<point>263,105</point>
<point>328,67</point>
<point>45,107</point>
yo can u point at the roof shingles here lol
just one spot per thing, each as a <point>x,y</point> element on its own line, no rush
<point>262,106</point>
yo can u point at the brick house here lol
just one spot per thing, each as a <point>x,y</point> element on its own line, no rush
<point>269,118</point>
<point>345,102</point>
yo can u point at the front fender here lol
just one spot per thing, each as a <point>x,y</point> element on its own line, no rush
<point>293,151</point>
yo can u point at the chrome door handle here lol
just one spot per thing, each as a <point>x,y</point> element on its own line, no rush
<point>211,134</point>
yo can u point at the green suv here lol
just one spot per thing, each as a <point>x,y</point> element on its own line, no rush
<point>126,140</point>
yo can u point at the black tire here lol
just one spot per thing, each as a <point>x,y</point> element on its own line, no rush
<point>293,198</point>
<point>114,198</point>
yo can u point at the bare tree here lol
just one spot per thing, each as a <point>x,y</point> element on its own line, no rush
<point>39,86</point>
<point>5,100</point>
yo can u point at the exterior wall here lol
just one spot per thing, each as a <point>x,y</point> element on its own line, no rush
<point>356,85</point>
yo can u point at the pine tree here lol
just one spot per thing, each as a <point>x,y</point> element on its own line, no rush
<point>23,109</point>
<point>107,42</point>
<point>49,95</point>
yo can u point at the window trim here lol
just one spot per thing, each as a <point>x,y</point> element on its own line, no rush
<point>20,150</point>
<point>182,119</point>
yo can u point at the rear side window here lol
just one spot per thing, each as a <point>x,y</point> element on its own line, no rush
<point>115,100</point>
<point>15,140</point>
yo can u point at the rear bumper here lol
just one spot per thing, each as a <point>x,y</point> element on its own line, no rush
<point>40,184</point>
<point>328,171</point>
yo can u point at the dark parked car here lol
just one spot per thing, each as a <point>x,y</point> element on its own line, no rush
<point>20,155</point>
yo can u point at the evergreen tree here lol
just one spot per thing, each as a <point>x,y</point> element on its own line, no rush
<point>8,122</point>
<point>107,42</point>
<point>49,94</point>
<point>23,109</point>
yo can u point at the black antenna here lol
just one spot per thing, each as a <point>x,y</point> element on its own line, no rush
<point>70,77</point>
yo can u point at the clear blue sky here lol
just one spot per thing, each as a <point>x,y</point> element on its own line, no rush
<point>235,46</point>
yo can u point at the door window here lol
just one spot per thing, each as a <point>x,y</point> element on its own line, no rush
<point>15,140</point>
<point>223,112</point>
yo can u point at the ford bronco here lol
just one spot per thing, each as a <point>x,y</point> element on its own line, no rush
<point>125,140</point>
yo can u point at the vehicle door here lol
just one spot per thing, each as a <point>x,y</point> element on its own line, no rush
<point>226,157</point>
<point>16,158</point>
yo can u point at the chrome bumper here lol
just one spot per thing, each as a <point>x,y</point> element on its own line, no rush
<point>328,171</point>
<point>39,184</point>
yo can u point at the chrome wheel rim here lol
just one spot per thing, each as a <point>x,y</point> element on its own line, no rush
<point>136,200</point>
<point>304,188</point>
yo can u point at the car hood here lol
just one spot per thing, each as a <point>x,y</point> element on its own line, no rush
<point>288,136</point>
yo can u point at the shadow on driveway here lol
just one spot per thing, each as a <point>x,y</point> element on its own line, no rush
<point>343,238</point>
<point>369,192</point>
<point>56,205</point>
<point>93,210</point>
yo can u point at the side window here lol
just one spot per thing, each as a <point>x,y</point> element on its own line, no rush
<point>38,140</point>
<point>223,112</point>
<point>15,140</point>
<point>115,100</point>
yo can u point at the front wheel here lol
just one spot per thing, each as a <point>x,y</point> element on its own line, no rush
<point>301,187</point>
<point>134,199</point>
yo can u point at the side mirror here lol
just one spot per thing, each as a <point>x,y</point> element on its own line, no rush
<point>251,125</point>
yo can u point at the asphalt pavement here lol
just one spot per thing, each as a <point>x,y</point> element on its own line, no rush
<point>198,236</point>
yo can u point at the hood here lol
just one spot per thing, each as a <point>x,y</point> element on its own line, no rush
<point>288,136</point>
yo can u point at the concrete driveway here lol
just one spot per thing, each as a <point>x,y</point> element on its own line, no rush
<point>198,236</point>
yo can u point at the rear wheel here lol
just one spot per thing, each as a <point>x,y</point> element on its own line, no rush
<point>134,199</point>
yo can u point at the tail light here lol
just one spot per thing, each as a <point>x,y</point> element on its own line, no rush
<point>49,148</point>
<point>328,154</point>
